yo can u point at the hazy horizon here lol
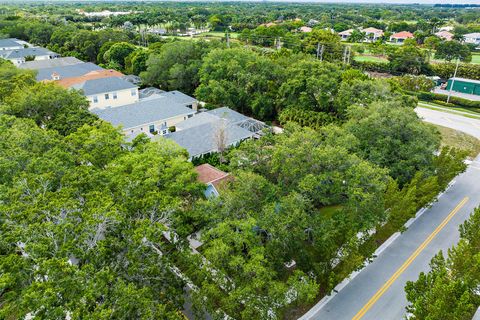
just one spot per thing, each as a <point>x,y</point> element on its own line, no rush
<point>293,1</point>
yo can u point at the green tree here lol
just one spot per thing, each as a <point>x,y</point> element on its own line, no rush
<point>240,79</point>
<point>448,290</point>
<point>84,238</point>
<point>176,66</point>
<point>50,106</point>
<point>118,53</point>
<point>408,59</point>
<point>310,85</point>
<point>450,50</point>
<point>392,136</point>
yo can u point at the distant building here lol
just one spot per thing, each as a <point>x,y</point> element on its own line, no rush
<point>104,13</point>
<point>372,34</point>
<point>445,35</point>
<point>42,64</point>
<point>446,28</point>
<point>159,31</point>
<point>268,25</point>
<point>20,56</point>
<point>400,37</point>
<point>214,178</point>
<point>153,115</point>
<point>305,29</point>
<point>345,34</point>
<point>473,38</point>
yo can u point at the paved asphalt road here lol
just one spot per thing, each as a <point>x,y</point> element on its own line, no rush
<point>454,121</point>
<point>377,292</point>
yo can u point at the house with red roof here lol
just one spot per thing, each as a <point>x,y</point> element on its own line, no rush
<point>214,178</point>
<point>400,37</point>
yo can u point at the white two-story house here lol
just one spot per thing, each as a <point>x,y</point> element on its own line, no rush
<point>154,115</point>
<point>108,92</point>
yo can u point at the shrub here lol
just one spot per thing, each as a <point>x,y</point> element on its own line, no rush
<point>371,66</point>
<point>465,70</point>
<point>457,101</point>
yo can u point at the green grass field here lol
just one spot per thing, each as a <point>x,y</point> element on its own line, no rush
<point>217,34</point>
<point>367,58</point>
<point>460,140</point>
<point>476,58</point>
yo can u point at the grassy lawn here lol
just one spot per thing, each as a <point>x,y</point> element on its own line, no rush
<point>328,211</point>
<point>459,140</point>
<point>370,59</point>
<point>217,34</point>
<point>475,59</point>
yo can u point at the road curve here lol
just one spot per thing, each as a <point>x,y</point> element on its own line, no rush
<point>449,120</point>
<point>377,292</point>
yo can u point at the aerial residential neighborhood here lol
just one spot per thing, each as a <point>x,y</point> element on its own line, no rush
<point>240,160</point>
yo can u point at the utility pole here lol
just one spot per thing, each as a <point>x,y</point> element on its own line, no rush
<point>349,54</point>
<point>279,44</point>
<point>228,40</point>
<point>453,80</point>
<point>318,50</point>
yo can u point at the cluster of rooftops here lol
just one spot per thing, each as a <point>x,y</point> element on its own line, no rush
<point>118,99</point>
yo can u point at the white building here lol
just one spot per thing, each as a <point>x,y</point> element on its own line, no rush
<point>473,38</point>
<point>153,115</point>
<point>108,92</point>
<point>20,56</point>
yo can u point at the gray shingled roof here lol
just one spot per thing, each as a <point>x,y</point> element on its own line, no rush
<point>21,53</point>
<point>228,114</point>
<point>9,43</point>
<point>200,139</point>
<point>58,62</point>
<point>102,85</point>
<point>70,71</point>
<point>199,119</point>
<point>179,97</point>
<point>143,112</point>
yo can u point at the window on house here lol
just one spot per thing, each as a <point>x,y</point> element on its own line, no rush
<point>133,92</point>
<point>95,99</point>
<point>190,115</point>
<point>164,132</point>
<point>189,106</point>
<point>107,96</point>
<point>151,128</point>
<point>114,95</point>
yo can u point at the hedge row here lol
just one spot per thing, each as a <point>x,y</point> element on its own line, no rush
<point>443,70</point>
<point>381,67</point>
<point>442,99</point>
<point>465,70</point>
